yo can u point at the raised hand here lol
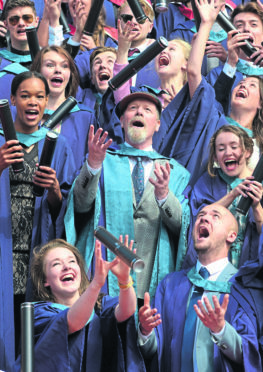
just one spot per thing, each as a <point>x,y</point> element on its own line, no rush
<point>121,270</point>
<point>97,147</point>
<point>148,317</point>
<point>212,318</point>
<point>208,10</point>
<point>161,183</point>
<point>102,267</point>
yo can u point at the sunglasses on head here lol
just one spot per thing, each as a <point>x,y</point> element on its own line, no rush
<point>28,18</point>
<point>126,17</point>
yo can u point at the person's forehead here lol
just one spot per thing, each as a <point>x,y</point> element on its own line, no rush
<point>213,209</point>
<point>250,80</point>
<point>20,10</point>
<point>54,56</point>
<point>58,253</point>
<point>105,55</point>
<point>126,10</point>
<point>247,16</point>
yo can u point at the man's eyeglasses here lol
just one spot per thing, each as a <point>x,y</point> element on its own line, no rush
<point>28,18</point>
<point>126,17</point>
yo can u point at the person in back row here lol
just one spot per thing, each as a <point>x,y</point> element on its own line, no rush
<point>132,187</point>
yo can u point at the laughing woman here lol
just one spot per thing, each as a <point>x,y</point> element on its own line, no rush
<point>57,66</point>
<point>227,179</point>
<point>75,330</point>
<point>27,220</point>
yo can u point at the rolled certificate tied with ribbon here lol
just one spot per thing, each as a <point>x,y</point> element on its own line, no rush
<point>137,10</point>
<point>9,129</point>
<point>60,112</point>
<point>138,63</point>
<point>161,6</point>
<point>227,25</point>
<point>93,17</point>
<point>32,39</point>
<point>118,248</point>
<point>27,337</point>
<point>245,203</point>
<point>46,157</point>
<point>64,23</point>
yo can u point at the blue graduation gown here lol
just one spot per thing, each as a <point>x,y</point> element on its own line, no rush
<point>75,128</point>
<point>187,126</point>
<point>250,277</point>
<point>166,22</point>
<point>98,345</point>
<point>8,70</point>
<point>184,31</point>
<point>208,190</point>
<point>171,301</point>
<point>44,229</point>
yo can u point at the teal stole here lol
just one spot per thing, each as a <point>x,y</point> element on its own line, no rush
<point>118,191</point>
<point>208,285</point>
<point>217,36</point>
<point>31,138</point>
<point>64,307</point>
<point>14,68</point>
<point>57,128</point>
<point>248,69</point>
<point>13,57</point>
<point>236,247</point>
<point>233,122</point>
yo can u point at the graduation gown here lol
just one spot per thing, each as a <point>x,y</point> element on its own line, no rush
<point>187,126</point>
<point>208,190</point>
<point>44,229</point>
<point>75,128</point>
<point>171,301</point>
<point>97,347</point>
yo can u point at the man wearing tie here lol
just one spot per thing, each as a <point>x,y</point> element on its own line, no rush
<point>132,190</point>
<point>195,331</point>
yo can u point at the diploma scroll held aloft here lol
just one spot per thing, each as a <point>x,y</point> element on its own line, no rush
<point>118,248</point>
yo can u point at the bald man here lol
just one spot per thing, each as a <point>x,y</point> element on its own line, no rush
<point>200,327</point>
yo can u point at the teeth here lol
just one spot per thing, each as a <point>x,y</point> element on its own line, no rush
<point>67,277</point>
<point>104,76</point>
<point>164,61</point>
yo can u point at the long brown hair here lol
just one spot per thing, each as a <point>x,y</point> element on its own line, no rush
<point>73,83</point>
<point>245,141</point>
<point>43,293</point>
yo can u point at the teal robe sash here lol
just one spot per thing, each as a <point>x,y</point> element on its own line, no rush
<point>14,68</point>
<point>247,69</point>
<point>214,36</point>
<point>13,57</point>
<point>30,139</point>
<point>233,122</point>
<point>208,285</point>
<point>118,191</point>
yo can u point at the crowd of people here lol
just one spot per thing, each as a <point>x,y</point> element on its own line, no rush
<point>162,162</point>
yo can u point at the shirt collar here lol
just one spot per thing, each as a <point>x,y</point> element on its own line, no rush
<point>215,267</point>
<point>150,148</point>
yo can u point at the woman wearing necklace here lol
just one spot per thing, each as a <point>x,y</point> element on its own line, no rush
<point>27,220</point>
<point>76,328</point>
<point>227,179</point>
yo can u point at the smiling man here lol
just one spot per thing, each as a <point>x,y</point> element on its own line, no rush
<point>223,337</point>
<point>134,190</point>
<point>18,15</point>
